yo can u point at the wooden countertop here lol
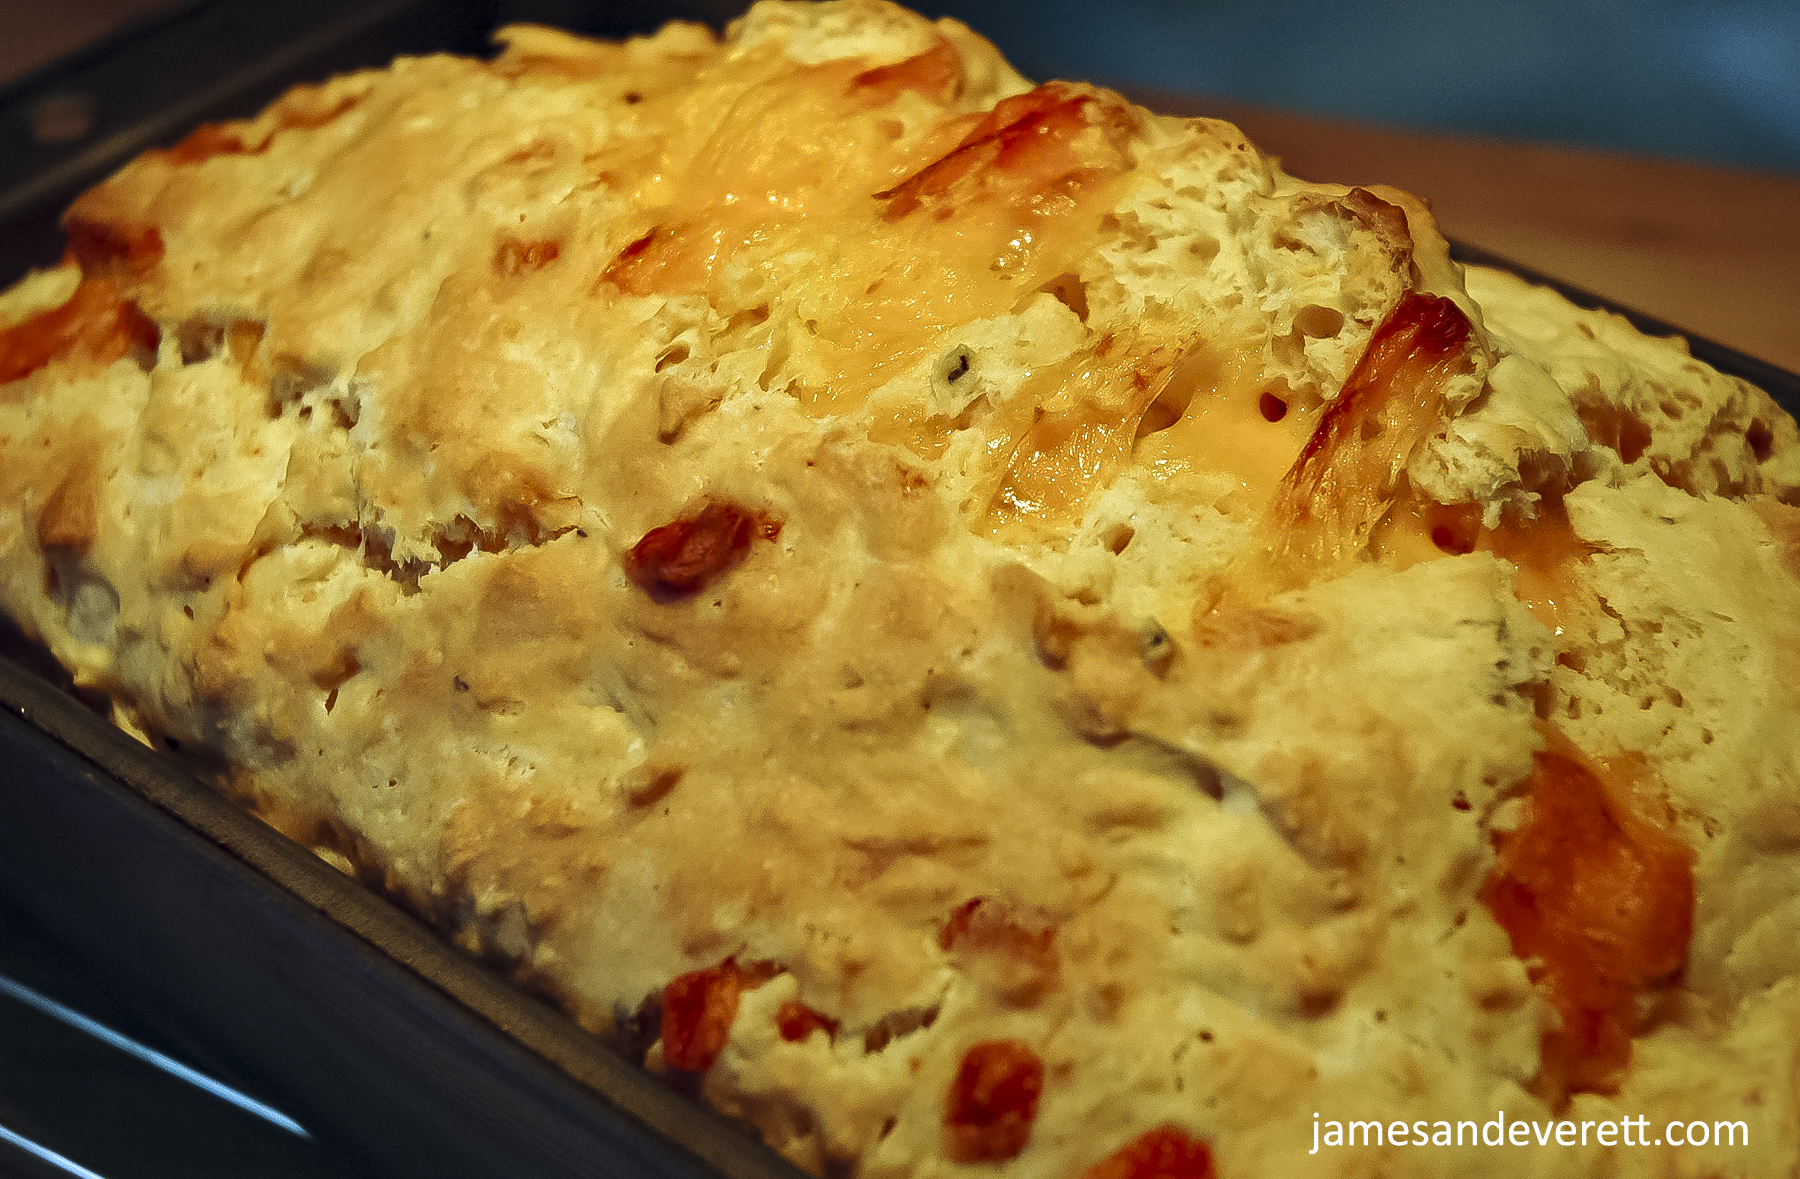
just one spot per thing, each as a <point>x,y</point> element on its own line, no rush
<point>1711,250</point>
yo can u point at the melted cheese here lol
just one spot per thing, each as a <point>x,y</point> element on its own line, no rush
<point>1545,550</point>
<point>1222,426</point>
<point>954,220</point>
<point>1175,409</point>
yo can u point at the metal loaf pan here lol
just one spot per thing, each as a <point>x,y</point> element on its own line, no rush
<point>203,932</point>
<point>240,953</point>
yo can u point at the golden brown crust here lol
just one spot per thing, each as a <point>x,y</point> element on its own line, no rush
<point>885,561</point>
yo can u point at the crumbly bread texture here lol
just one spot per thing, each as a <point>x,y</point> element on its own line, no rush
<point>994,631</point>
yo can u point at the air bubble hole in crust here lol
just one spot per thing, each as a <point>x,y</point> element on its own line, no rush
<point>1203,247</point>
<point>199,340</point>
<point>896,1024</point>
<point>1619,431</point>
<point>748,318</point>
<point>202,337</point>
<point>294,379</point>
<point>1319,322</point>
<point>1634,439</point>
<point>1071,292</point>
<point>1118,537</point>
<point>1761,440</point>
<point>1160,414</point>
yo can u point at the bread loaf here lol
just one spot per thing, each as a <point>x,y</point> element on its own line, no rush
<point>993,631</point>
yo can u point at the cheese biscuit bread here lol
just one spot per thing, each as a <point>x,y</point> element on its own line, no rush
<point>985,630</point>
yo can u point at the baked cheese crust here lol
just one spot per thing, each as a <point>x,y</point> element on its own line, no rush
<point>984,626</point>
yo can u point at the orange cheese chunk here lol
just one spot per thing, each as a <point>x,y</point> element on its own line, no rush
<point>698,1008</point>
<point>796,1021</point>
<point>1167,1152</point>
<point>1545,550</point>
<point>303,107</point>
<point>95,326</point>
<point>685,554</point>
<point>1597,893</point>
<point>993,1102</point>
<point>111,248</point>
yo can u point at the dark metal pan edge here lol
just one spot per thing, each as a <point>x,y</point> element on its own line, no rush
<point>597,1094</point>
<point>1777,382</point>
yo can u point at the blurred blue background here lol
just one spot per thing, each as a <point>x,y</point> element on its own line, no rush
<point>1716,82</point>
